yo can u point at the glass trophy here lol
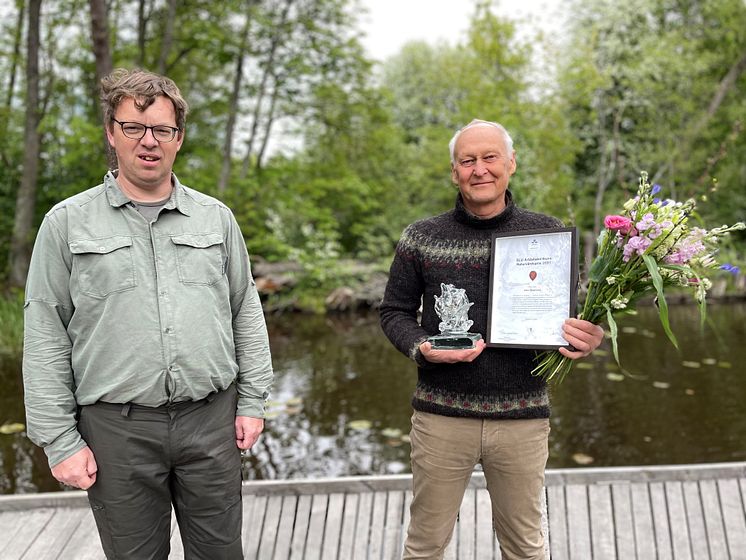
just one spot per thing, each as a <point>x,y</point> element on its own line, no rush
<point>452,306</point>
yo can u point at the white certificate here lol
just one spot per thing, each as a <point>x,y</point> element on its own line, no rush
<point>533,287</point>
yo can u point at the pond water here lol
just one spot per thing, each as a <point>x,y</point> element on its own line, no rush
<point>340,406</point>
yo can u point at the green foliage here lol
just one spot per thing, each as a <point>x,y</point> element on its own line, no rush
<point>11,325</point>
<point>628,92</point>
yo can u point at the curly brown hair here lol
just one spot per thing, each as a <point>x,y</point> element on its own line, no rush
<point>143,87</point>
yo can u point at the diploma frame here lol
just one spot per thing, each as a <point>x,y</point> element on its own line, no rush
<point>533,287</point>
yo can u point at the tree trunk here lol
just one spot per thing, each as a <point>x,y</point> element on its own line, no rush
<point>21,242</point>
<point>142,27</point>
<point>268,127</point>
<point>725,85</point>
<point>12,82</point>
<point>225,171</point>
<point>268,69</point>
<point>102,54</point>
<point>168,37</point>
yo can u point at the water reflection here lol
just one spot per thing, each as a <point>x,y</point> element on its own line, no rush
<point>342,393</point>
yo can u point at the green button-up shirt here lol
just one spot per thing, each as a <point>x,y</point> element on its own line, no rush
<point>123,310</point>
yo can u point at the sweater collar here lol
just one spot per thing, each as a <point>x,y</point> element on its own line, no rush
<point>465,217</point>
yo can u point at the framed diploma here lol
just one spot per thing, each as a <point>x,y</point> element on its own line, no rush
<point>533,287</point>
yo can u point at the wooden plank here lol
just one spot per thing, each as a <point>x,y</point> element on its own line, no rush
<point>713,519</point>
<point>11,522</point>
<point>334,513</point>
<point>315,539</point>
<point>300,531</point>
<point>376,524</point>
<point>660,520</point>
<point>680,539</point>
<point>285,528</point>
<point>57,534</point>
<point>405,520</point>
<point>347,538</point>
<point>33,525</point>
<point>559,543</point>
<point>392,535</point>
<point>545,522</point>
<point>642,519</point>
<point>601,521</point>
<point>467,525</point>
<point>177,547</point>
<point>733,516</point>
<point>485,535</point>
<point>269,531</point>
<point>362,527</point>
<point>695,520</point>
<point>253,523</point>
<point>578,521</point>
<point>84,544</point>
<point>624,526</point>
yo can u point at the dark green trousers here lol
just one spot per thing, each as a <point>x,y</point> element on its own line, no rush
<point>149,459</point>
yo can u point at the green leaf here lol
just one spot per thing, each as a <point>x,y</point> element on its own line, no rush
<point>662,305</point>
<point>614,332</point>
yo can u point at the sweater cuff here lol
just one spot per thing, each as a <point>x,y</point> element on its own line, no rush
<point>416,355</point>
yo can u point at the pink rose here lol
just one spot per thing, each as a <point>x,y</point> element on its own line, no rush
<point>618,223</point>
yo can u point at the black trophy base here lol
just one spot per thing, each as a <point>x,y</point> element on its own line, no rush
<point>454,341</point>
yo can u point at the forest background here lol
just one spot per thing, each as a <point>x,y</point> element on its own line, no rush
<point>633,85</point>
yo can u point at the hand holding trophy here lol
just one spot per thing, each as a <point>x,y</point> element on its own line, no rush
<point>452,306</point>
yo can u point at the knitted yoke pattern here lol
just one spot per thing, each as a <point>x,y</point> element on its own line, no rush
<point>454,248</point>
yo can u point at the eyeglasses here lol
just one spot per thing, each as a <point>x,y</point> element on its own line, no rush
<point>472,161</point>
<point>136,130</point>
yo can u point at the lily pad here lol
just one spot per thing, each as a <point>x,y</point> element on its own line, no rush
<point>584,365</point>
<point>582,458</point>
<point>690,364</point>
<point>709,361</point>
<point>615,376</point>
<point>391,433</point>
<point>661,385</point>
<point>12,428</point>
<point>360,425</point>
<point>725,365</point>
<point>294,401</point>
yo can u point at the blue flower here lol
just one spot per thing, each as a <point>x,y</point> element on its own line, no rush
<point>656,189</point>
<point>734,270</point>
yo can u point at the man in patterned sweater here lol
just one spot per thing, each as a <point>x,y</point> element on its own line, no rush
<point>479,405</point>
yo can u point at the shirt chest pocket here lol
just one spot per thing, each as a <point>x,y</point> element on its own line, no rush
<point>200,257</point>
<point>104,265</point>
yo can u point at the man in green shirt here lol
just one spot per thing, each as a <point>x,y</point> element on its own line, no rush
<point>146,357</point>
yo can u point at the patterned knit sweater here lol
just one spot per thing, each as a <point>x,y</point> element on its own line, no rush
<point>454,248</point>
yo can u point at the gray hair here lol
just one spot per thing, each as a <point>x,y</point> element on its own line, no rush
<point>479,122</point>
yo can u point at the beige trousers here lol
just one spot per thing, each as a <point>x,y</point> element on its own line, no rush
<point>513,454</point>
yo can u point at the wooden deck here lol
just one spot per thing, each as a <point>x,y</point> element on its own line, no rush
<point>686,512</point>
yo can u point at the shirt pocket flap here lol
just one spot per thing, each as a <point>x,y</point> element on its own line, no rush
<point>198,240</point>
<point>100,246</point>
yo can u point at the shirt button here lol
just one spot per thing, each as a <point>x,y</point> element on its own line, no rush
<point>102,249</point>
<point>168,330</point>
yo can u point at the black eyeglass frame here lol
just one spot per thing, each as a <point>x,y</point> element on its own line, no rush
<point>174,130</point>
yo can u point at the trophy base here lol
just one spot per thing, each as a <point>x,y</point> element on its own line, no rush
<point>454,341</point>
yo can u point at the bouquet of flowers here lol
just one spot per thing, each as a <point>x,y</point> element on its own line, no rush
<point>647,248</point>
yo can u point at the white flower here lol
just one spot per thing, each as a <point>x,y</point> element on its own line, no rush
<point>619,302</point>
<point>611,280</point>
